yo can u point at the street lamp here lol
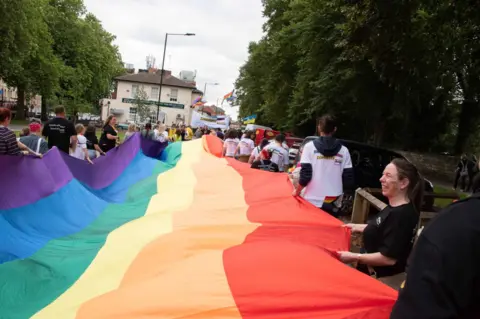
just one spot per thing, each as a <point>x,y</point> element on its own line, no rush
<point>205,89</point>
<point>163,65</point>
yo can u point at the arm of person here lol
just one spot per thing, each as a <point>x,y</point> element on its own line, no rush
<point>306,170</point>
<point>111,137</point>
<point>252,157</point>
<point>87,158</point>
<point>348,177</point>
<point>72,133</point>
<point>236,151</point>
<point>23,147</point>
<point>224,148</point>
<point>73,142</point>
<point>374,259</point>
<point>286,162</point>
<point>98,149</point>
<point>356,228</point>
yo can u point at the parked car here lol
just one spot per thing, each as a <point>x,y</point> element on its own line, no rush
<point>368,165</point>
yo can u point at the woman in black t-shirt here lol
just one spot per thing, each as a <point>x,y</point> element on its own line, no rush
<point>388,238</point>
<point>109,137</point>
<point>92,143</point>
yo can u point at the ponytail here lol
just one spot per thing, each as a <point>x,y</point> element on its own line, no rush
<point>416,195</point>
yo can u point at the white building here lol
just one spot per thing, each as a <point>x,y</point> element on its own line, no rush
<point>9,98</point>
<point>176,100</point>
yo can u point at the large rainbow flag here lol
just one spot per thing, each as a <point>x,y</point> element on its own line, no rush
<point>175,232</point>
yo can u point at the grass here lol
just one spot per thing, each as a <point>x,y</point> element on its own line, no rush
<point>20,122</point>
<point>443,202</point>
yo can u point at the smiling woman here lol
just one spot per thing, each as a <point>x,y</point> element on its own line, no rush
<point>389,237</point>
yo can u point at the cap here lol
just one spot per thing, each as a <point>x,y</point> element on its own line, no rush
<point>35,127</point>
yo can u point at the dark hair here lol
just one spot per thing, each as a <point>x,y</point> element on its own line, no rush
<point>90,132</point>
<point>5,114</point>
<point>178,131</point>
<point>148,126</point>
<point>264,143</point>
<point>59,110</point>
<point>25,131</point>
<point>231,134</point>
<point>415,188</point>
<point>239,134</point>
<point>90,129</point>
<point>326,124</point>
<point>280,138</point>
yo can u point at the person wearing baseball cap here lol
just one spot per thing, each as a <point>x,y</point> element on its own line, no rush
<point>34,141</point>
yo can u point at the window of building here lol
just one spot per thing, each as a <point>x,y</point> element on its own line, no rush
<point>134,90</point>
<point>154,93</point>
<point>173,95</point>
<point>133,114</point>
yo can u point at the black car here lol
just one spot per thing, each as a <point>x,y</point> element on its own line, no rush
<point>368,165</point>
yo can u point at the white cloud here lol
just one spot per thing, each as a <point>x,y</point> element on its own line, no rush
<point>223,31</point>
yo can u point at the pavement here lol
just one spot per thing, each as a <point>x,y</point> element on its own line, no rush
<point>16,127</point>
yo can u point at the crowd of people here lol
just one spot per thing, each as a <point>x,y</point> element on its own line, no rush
<point>437,275</point>
<point>77,140</point>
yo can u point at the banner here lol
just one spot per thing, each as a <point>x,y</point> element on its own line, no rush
<point>249,119</point>
<point>199,120</point>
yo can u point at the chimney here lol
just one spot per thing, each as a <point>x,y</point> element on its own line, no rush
<point>166,73</point>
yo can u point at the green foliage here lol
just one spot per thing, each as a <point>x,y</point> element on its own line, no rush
<point>143,109</point>
<point>399,73</point>
<point>56,49</point>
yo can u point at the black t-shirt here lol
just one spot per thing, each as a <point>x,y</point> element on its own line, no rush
<point>443,277</point>
<point>58,132</point>
<point>106,144</point>
<point>92,140</point>
<point>392,233</point>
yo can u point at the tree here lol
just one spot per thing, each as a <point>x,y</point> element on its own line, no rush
<point>27,59</point>
<point>143,109</point>
<point>56,49</point>
<point>397,73</point>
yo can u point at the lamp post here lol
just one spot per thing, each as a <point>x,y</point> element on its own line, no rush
<point>205,93</point>
<point>205,89</point>
<point>163,65</point>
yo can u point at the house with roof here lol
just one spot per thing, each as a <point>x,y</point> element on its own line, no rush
<point>175,103</point>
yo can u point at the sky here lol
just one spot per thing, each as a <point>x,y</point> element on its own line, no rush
<point>223,29</point>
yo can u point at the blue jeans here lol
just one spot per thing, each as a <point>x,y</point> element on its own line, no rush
<point>92,154</point>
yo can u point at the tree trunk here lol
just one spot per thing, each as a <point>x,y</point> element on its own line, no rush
<point>466,124</point>
<point>44,116</point>
<point>20,115</point>
<point>379,132</point>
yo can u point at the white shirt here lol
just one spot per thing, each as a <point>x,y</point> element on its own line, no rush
<point>279,155</point>
<point>161,137</point>
<point>81,147</point>
<point>255,153</point>
<point>230,145</point>
<point>246,146</point>
<point>327,173</point>
<point>284,144</point>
